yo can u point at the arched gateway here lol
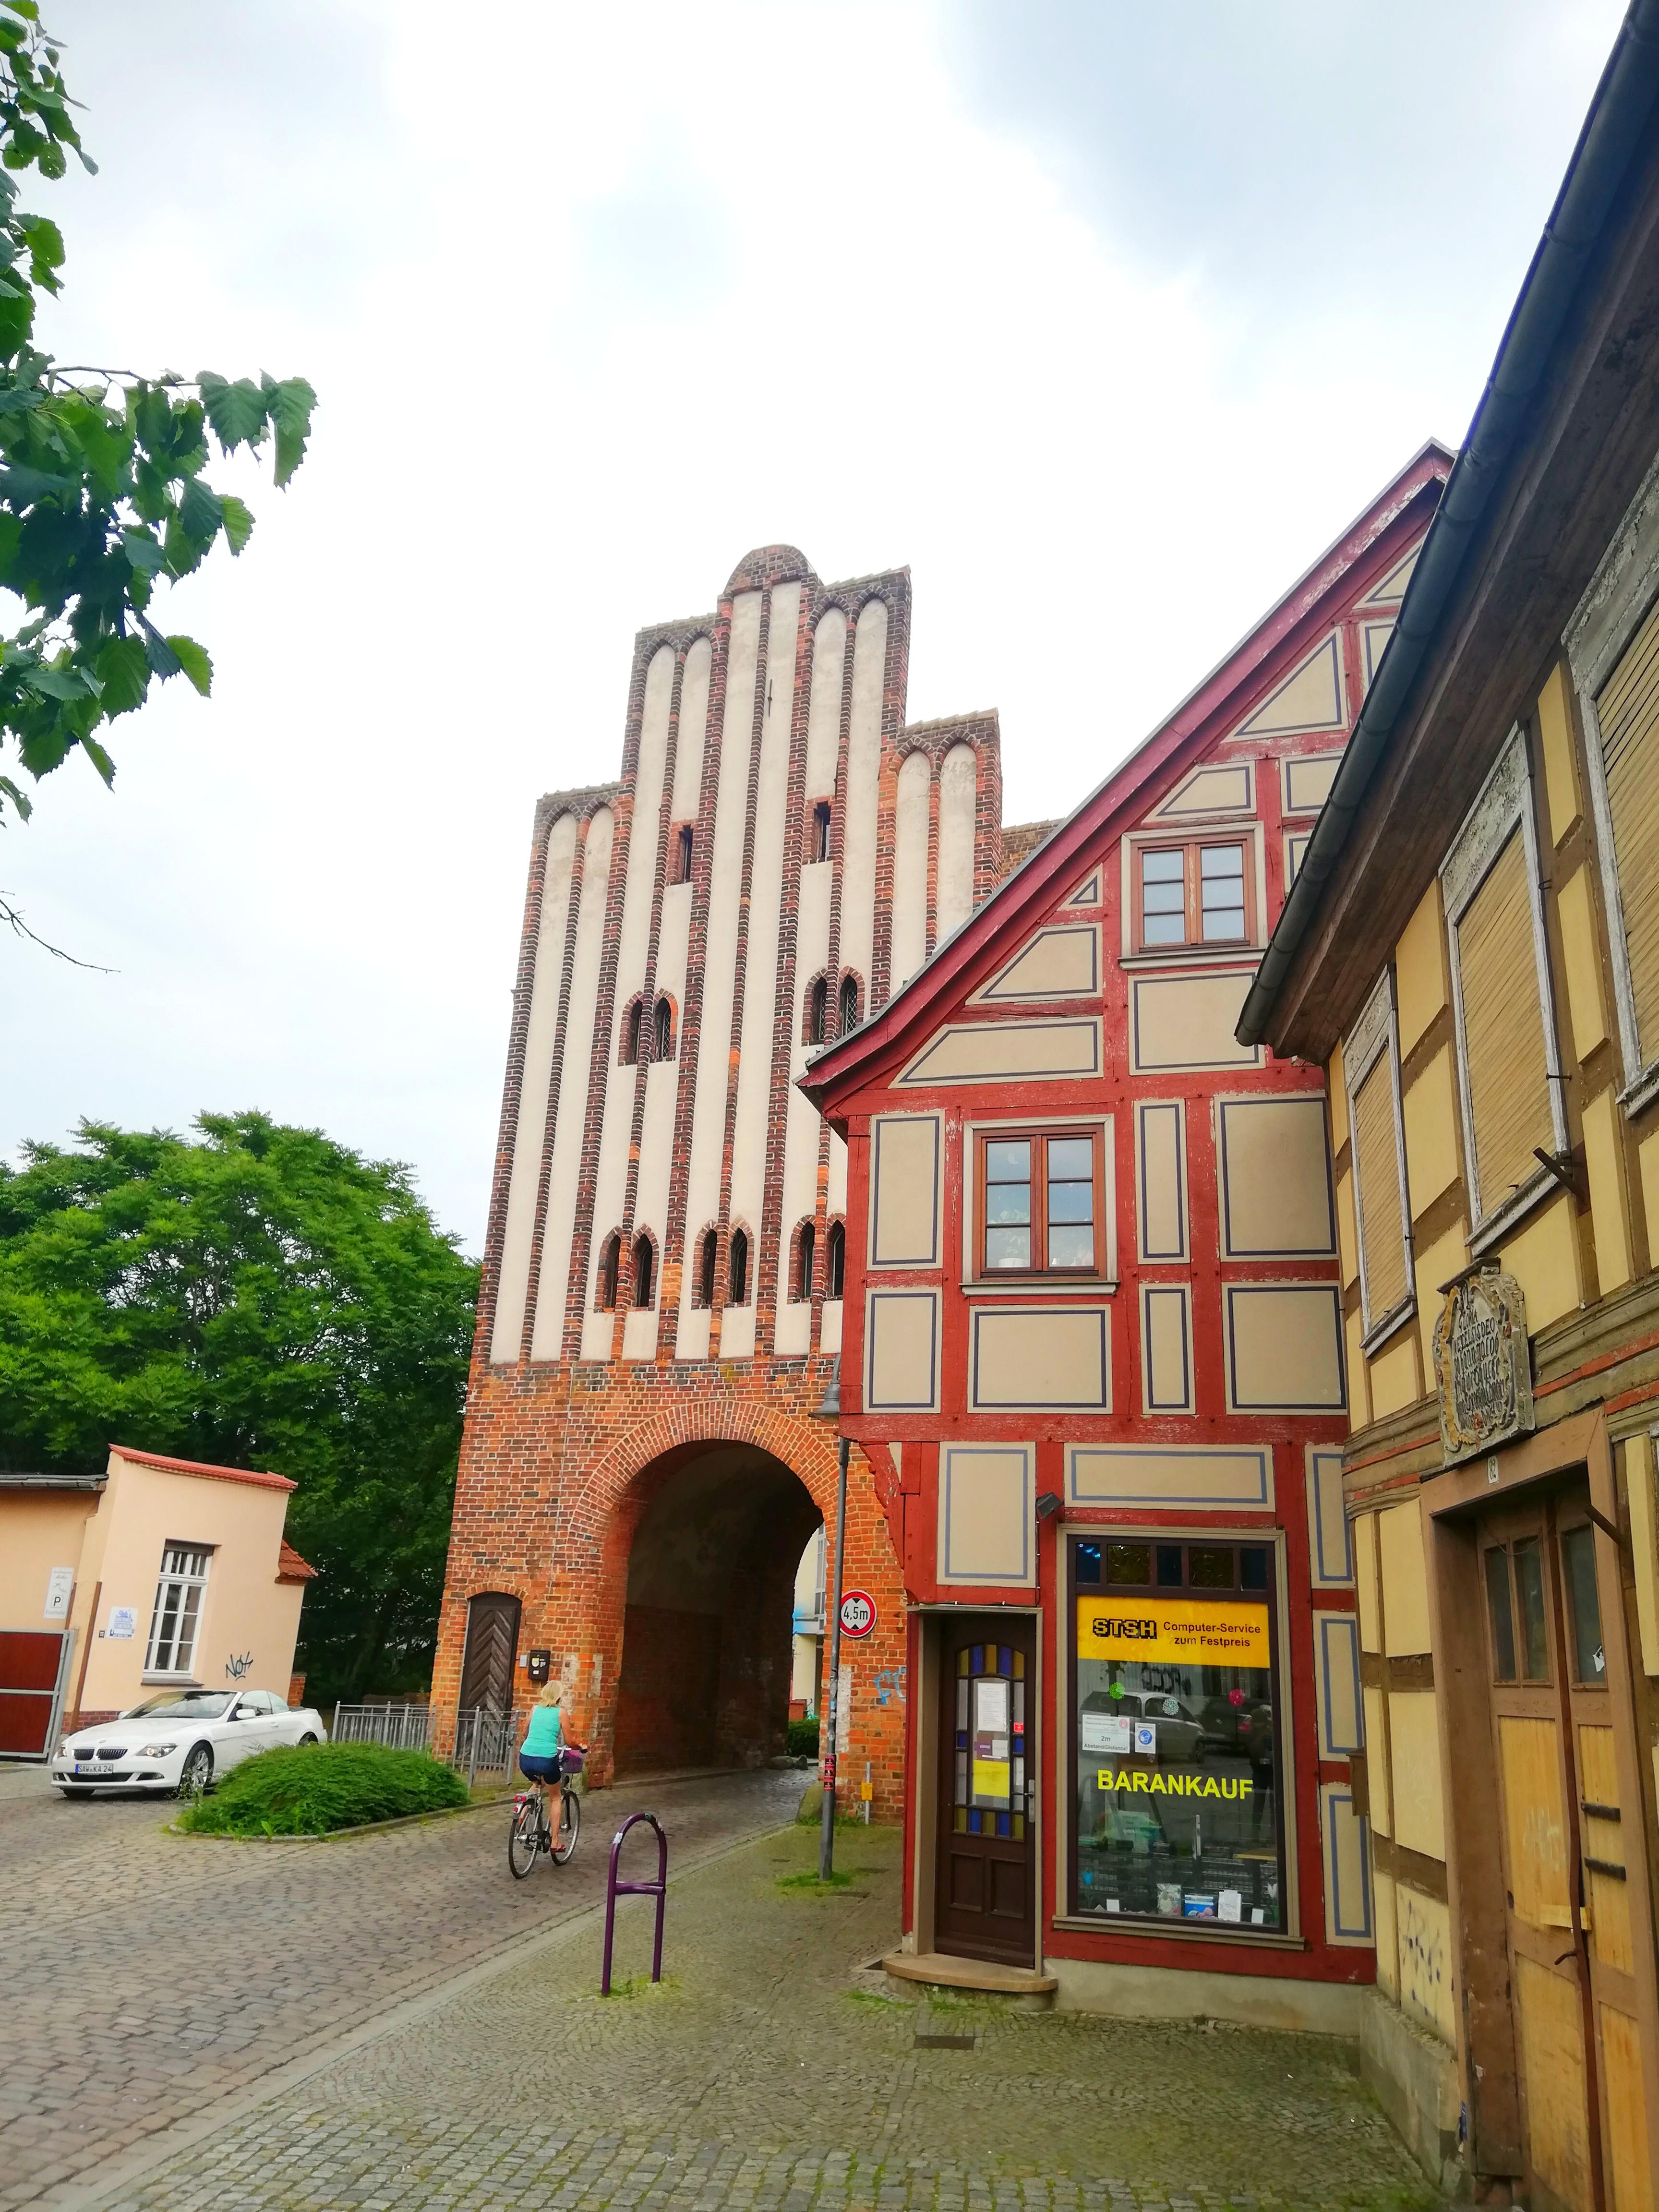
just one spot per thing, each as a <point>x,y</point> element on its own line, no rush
<point>660,1311</point>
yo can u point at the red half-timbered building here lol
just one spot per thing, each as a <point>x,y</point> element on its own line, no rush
<point>1094,1354</point>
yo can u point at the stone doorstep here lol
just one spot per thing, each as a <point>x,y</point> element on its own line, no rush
<point>986,1978</point>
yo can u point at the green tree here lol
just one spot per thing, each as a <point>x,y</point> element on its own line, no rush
<point>257,1296</point>
<point>102,494</point>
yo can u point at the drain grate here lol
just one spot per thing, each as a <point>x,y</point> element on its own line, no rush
<point>945,2042</point>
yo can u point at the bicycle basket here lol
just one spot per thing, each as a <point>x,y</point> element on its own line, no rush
<point>570,1762</point>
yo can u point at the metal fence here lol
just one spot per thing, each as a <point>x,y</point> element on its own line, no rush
<point>485,1741</point>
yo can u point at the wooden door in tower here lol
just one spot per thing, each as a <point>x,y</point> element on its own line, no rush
<point>1566,1839</point>
<point>492,1650</point>
<point>985,1893</point>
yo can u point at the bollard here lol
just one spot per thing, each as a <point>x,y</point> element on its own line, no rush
<point>613,1889</point>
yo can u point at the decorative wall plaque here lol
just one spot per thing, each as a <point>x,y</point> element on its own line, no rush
<point>1482,1365</point>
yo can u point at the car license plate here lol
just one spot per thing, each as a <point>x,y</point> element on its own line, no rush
<point>92,1767</point>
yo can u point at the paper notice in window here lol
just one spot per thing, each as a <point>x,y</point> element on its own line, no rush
<point>1230,1906</point>
<point>1106,1732</point>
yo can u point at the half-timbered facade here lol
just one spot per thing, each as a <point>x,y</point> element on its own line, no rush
<point>1473,953</point>
<point>1092,1350</point>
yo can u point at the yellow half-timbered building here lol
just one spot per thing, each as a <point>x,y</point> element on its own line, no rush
<point>1471,950</point>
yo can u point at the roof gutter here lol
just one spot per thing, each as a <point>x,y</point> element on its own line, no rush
<point>1612,130</point>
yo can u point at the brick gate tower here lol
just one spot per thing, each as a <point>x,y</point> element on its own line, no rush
<point>660,1309</point>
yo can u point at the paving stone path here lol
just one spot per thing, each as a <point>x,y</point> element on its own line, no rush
<point>143,1976</point>
<point>770,2074</point>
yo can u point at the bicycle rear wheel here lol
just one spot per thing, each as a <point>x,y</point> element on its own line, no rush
<point>570,1827</point>
<point>523,1837</point>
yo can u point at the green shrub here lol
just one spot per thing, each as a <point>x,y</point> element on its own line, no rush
<point>802,1739</point>
<point>312,1790</point>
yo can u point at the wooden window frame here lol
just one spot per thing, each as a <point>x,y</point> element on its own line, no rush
<point>1621,598</point>
<point>1037,1135</point>
<point>1192,890</point>
<point>1504,803</point>
<point>1377,1032</point>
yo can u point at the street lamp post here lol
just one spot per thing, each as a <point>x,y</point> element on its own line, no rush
<point>830,1411</point>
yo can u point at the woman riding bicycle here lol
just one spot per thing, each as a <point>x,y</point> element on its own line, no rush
<point>538,1754</point>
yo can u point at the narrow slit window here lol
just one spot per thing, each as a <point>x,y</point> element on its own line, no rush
<point>850,1003</point>
<point>610,1269</point>
<point>644,1269</point>
<point>664,1030</point>
<point>805,1254</point>
<point>707,1258</point>
<point>834,1261</point>
<point>817,1021</point>
<point>821,818</point>
<point>738,1268</point>
<point>631,1046</point>
<point>683,849</point>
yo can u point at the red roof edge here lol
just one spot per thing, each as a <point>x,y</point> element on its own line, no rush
<point>844,1068</point>
<point>253,1474</point>
<point>291,1568</point>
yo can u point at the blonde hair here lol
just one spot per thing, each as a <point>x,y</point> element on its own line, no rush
<point>551,1693</point>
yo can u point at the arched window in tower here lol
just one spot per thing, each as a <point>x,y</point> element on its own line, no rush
<point>850,1004</point>
<point>738,1268</point>
<point>644,1259</point>
<point>818,1019</point>
<point>631,1036</point>
<point>665,1028</point>
<point>708,1254</point>
<point>805,1254</point>
<point>609,1268</point>
<point>835,1260</point>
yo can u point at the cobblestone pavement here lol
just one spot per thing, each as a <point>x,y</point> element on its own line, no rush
<point>143,1975</point>
<point>768,2073</point>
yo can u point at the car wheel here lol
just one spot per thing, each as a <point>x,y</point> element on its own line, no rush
<point>197,1772</point>
<point>306,1738</point>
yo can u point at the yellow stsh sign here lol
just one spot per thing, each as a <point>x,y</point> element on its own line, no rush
<point>1173,1632</point>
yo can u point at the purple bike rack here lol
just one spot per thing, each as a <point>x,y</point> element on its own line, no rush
<point>613,1889</point>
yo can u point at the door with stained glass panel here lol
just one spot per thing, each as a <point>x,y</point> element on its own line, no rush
<point>985,1893</point>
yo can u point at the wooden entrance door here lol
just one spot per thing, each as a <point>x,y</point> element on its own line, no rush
<point>492,1652</point>
<point>985,1891</point>
<point>1565,1842</point>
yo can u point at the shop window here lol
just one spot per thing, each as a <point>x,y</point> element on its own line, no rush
<point>1041,1202</point>
<point>1509,1073</point>
<point>178,1612</point>
<point>850,1004</point>
<point>1177,1809</point>
<point>665,1036</point>
<point>834,1260</point>
<point>821,822</point>
<point>738,1268</point>
<point>1371,1058</point>
<point>806,1254</point>
<point>1197,893</point>
<point>610,1271</point>
<point>644,1270</point>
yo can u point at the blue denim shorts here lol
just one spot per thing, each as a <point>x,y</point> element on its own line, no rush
<point>539,1767</point>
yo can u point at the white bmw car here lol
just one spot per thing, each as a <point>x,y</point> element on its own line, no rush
<point>179,1739</point>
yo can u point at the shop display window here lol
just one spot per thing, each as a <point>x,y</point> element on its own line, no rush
<point>1174,1735</point>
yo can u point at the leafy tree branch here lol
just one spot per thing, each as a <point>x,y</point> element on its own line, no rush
<point>103,491</point>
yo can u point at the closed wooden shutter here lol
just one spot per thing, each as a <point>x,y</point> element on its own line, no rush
<point>1628,711</point>
<point>1376,1165</point>
<point>1504,1029</point>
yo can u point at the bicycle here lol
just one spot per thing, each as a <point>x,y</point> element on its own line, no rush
<point>531,1836</point>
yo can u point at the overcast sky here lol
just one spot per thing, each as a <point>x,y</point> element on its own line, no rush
<point>1104,318</point>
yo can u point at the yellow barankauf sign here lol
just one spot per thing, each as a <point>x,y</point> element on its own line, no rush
<point>1190,1631</point>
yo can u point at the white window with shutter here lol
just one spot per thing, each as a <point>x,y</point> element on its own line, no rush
<point>1371,1062</point>
<point>1509,1069</point>
<point>178,1614</point>
<point>1613,649</point>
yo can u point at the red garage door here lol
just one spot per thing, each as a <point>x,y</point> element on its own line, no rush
<point>33,1666</point>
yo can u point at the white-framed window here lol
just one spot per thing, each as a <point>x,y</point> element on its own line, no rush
<point>1613,649</point>
<point>1509,1068</point>
<point>178,1614</point>
<point>1383,1210</point>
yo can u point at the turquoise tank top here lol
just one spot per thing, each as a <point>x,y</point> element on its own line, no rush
<point>545,1735</point>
